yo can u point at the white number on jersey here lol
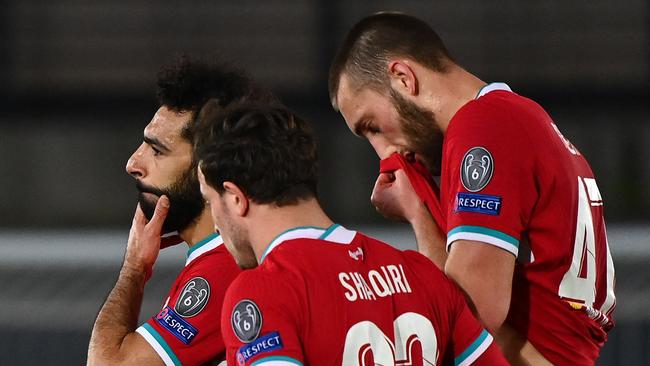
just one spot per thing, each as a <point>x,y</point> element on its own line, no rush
<point>579,283</point>
<point>365,337</point>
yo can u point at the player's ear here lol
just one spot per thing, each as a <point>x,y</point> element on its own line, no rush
<point>236,199</point>
<point>402,77</point>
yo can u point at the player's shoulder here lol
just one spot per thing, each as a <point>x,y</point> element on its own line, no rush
<point>496,112</point>
<point>216,263</point>
<point>423,266</point>
<point>266,279</point>
<point>302,248</point>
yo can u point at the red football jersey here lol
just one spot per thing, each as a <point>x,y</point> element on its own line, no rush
<point>510,179</point>
<point>187,330</point>
<point>336,297</point>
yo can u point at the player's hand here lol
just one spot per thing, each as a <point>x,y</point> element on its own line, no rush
<point>144,238</point>
<point>394,197</point>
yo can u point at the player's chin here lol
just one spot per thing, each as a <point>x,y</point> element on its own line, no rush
<point>148,202</point>
<point>245,261</point>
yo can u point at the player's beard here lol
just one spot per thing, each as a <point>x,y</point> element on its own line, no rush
<point>185,201</point>
<point>422,133</point>
<point>237,240</point>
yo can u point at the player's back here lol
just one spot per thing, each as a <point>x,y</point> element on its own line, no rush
<point>549,216</point>
<point>348,299</point>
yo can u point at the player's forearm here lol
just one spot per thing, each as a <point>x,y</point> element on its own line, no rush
<point>118,316</point>
<point>517,349</point>
<point>429,238</point>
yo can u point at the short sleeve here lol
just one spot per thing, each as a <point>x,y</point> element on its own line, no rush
<point>187,330</point>
<point>261,321</point>
<point>489,188</point>
<point>469,339</point>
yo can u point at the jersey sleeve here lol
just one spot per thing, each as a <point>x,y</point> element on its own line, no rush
<point>489,185</point>
<point>470,342</point>
<point>187,330</point>
<point>261,321</point>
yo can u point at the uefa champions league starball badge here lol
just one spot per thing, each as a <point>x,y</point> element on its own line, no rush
<point>193,298</point>
<point>246,320</point>
<point>476,169</point>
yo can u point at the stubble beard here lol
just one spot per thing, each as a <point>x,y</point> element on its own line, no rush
<point>421,131</point>
<point>237,240</point>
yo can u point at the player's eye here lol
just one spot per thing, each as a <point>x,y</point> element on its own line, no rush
<point>156,152</point>
<point>372,129</point>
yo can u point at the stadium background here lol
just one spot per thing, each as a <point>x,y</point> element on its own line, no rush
<point>77,85</point>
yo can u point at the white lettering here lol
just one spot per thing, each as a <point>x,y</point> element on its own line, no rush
<point>369,294</point>
<point>378,284</point>
<point>356,278</point>
<point>397,278</point>
<point>387,282</point>
<point>406,282</point>
<point>390,283</point>
<point>350,294</point>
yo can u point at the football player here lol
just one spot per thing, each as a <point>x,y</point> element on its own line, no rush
<point>317,293</point>
<point>522,229</point>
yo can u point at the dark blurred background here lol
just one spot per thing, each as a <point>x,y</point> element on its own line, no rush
<point>77,84</point>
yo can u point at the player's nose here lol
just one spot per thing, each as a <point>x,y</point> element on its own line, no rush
<point>382,147</point>
<point>134,166</point>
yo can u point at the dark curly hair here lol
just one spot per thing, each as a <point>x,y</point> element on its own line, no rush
<point>187,84</point>
<point>267,151</point>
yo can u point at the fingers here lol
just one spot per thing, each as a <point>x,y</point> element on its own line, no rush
<point>139,220</point>
<point>385,178</point>
<point>160,212</point>
<point>400,176</point>
<point>383,181</point>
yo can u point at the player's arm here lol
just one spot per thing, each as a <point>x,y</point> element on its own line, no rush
<point>484,272</point>
<point>518,350</point>
<point>491,190</point>
<point>471,343</point>
<point>488,287</point>
<point>113,340</point>
<point>394,197</point>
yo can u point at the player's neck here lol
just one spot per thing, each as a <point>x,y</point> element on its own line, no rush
<point>199,229</point>
<point>459,86</point>
<point>271,221</point>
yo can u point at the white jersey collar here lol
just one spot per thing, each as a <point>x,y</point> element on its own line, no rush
<point>211,242</point>
<point>335,233</point>
<point>492,87</point>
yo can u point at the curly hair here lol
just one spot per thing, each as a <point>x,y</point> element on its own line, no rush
<point>187,84</point>
<point>267,151</point>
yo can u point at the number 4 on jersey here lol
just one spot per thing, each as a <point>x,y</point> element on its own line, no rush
<point>579,282</point>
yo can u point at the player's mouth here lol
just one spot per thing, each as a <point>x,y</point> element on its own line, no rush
<point>142,188</point>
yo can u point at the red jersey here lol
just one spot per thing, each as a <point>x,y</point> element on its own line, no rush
<point>335,297</point>
<point>510,179</point>
<point>187,330</point>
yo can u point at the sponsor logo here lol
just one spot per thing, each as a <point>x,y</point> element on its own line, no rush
<point>193,298</point>
<point>476,169</point>
<point>266,343</point>
<point>246,320</point>
<point>478,203</point>
<point>356,254</point>
<point>176,325</point>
